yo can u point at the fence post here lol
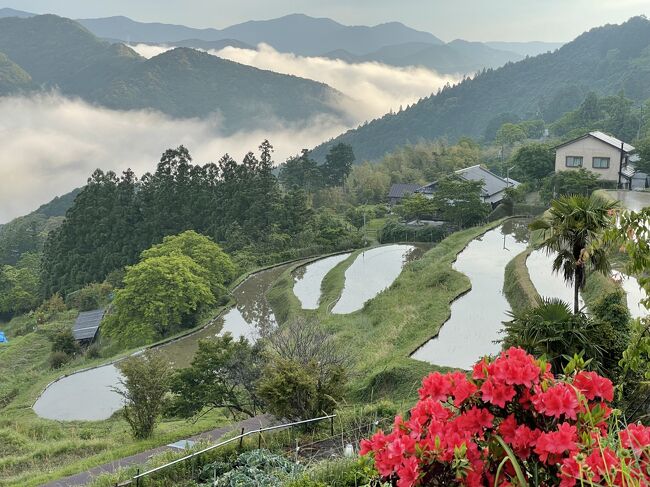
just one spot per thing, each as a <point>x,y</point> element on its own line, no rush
<point>259,441</point>
<point>332,426</point>
<point>241,439</point>
<point>137,480</point>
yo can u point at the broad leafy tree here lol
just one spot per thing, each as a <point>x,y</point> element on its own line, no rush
<point>566,183</point>
<point>569,229</point>
<point>219,268</point>
<point>223,374</point>
<point>417,206</point>
<point>144,385</point>
<point>160,295</point>
<point>533,162</point>
<point>460,202</point>
<point>306,372</point>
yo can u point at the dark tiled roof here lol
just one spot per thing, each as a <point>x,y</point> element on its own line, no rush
<point>87,324</point>
<point>400,190</point>
<point>492,184</point>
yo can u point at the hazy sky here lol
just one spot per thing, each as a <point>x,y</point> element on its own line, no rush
<point>549,20</point>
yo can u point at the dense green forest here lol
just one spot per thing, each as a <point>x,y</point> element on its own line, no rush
<point>28,233</point>
<point>241,205</point>
<point>47,51</point>
<point>605,60</point>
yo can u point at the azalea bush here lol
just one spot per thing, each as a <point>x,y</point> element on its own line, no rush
<point>512,423</point>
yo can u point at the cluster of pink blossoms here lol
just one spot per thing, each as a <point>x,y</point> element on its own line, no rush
<point>557,429</point>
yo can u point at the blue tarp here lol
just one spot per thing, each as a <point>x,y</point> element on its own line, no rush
<point>3,338</point>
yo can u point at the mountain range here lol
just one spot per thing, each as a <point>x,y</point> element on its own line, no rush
<point>391,43</point>
<point>606,60</point>
<point>46,51</point>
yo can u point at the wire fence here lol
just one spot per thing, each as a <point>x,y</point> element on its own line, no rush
<point>139,477</point>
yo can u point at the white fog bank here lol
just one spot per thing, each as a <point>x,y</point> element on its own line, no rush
<point>375,88</point>
<point>52,144</point>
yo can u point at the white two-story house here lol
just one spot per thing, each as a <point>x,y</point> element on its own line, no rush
<point>599,153</point>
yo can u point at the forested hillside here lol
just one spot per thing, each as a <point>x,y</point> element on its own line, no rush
<point>184,82</point>
<point>605,60</point>
<point>47,51</point>
<point>241,205</point>
<point>28,233</point>
<point>452,58</point>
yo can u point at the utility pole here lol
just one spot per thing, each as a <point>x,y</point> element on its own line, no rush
<point>620,166</point>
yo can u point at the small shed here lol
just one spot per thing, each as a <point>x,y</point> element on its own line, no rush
<point>87,325</point>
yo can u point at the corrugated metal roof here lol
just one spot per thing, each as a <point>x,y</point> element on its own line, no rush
<point>400,190</point>
<point>607,139</point>
<point>87,324</point>
<point>613,141</point>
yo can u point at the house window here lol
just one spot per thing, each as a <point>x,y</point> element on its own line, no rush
<point>574,161</point>
<point>600,163</point>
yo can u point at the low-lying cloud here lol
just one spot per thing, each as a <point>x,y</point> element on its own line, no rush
<point>52,144</point>
<point>374,88</point>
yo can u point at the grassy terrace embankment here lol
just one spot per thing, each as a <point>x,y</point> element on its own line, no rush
<point>382,336</point>
<point>517,286</point>
<point>34,450</point>
<point>520,290</point>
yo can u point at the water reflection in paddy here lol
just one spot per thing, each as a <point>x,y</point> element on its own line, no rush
<point>549,284</point>
<point>477,317</point>
<point>632,200</point>
<point>308,279</point>
<point>371,272</point>
<point>88,395</point>
<point>635,294</point>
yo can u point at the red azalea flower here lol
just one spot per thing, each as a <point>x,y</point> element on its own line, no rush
<point>593,385</point>
<point>436,386</point>
<point>408,472</point>
<point>557,400</point>
<point>556,442</point>
<point>497,393</point>
<point>636,437</point>
<point>461,388</point>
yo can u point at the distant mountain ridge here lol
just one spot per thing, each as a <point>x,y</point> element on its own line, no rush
<point>605,60</point>
<point>10,12</point>
<point>390,43</point>
<point>455,57</point>
<point>295,33</point>
<point>46,52</point>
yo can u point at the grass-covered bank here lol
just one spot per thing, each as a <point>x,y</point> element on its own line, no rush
<point>37,450</point>
<point>285,303</point>
<point>517,286</point>
<point>382,336</point>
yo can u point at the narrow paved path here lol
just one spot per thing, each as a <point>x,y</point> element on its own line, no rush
<point>83,478</point>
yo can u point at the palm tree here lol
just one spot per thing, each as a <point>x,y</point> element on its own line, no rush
<point>569,228</point>
<point>550,329</point>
